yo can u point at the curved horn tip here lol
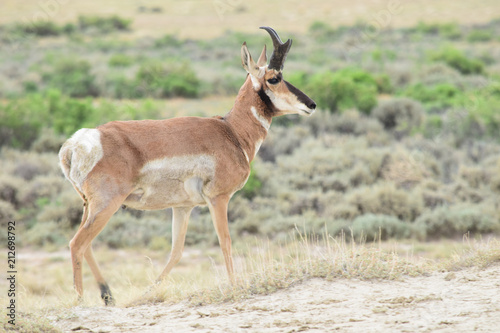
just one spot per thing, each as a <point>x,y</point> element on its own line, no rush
<point>273,34</point>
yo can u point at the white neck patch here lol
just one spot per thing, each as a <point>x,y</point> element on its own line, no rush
<point>262,120</point>
<point>257,146</point>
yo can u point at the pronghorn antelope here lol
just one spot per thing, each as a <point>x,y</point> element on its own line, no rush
<point>180,163</point>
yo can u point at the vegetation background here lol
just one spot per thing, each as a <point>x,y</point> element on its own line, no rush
<point>405,144</point>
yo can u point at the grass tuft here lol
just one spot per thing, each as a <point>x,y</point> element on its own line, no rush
<point>268,267</point>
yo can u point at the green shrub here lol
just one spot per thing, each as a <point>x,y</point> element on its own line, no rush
<point>384,85</point>
<point>380,56</point>
<point>483,111</point>
<point>439,96</point>
<point>23,119</point>
<point>361,175</point>
<point>449,30</point>
<point>120,60</point>
<point>65,208</point>
<point>433,126</point>
<point>41,28</point>
<point>48,141</point>
<point>438,73</point>
<point>344,89</point>
<point>475,176</point>
<point>386,199</point>
<point>73,77</point>
<point>20,124</point>
<point>321,31</point>
<point>375,227</point>
<point>74,115</point>
<point>7,213</point>
<point>120,86</point>
<point>167,80</point>
<point>10,189</point>
<point>30,86</point>
<point>282,141</point>
<point>227,84</point>
<point>168,40</point>
<point>458,60</point>
<point>454,222</point>
<point>46,234</point>
<point>42,190</point>
<point>462,192</point>
<point>69,28</point>
<point>252,186</point>
<point>103,24</point>
<point>400,115</point>
<point>349,122</point>
<point>495,183</point>
<point>480,36</point>
<point>341,211</point>
<point>44,28</point>
<point>427,28</point>
<point>279,227</point>
<point>126,230</point>
<point>298,78</point>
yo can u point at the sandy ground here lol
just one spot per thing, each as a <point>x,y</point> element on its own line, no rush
<point>464,301</point>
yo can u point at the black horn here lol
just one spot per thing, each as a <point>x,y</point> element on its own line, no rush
<point>280,50</point>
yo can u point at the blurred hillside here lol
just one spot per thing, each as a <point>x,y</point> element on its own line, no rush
<point>208,19</point>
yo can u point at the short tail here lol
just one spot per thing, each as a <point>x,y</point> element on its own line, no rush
<point>65,155</point>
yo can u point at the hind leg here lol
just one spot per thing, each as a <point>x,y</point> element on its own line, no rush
<point>180,220</point>
<point>94,267</point>
<point>96,218</point>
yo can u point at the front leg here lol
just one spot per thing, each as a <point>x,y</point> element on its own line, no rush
<point>218,211</point>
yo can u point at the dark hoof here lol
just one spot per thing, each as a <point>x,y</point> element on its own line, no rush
<point>106,295</point>
<point>108,300</point>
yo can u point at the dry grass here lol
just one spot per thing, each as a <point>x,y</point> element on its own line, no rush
<point>45,279</point>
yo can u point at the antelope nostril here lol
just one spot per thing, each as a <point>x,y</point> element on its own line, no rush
<point>312,105</point>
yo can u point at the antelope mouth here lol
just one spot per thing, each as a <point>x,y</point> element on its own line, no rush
<point>307,112</point>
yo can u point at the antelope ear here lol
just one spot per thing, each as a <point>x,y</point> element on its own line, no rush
<point>263,58</point>
<point>248,63</point>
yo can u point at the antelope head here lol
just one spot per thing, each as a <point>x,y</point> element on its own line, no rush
<point>280,96</point>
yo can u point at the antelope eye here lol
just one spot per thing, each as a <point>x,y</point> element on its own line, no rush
<point>273,80</point>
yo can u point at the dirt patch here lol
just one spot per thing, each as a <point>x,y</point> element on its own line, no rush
<point>463,301</point>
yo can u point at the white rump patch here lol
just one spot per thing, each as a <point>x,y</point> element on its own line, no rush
<point>263,121</point>
<point>85,151</point>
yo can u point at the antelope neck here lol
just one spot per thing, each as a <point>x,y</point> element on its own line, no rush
<point>249,119</point>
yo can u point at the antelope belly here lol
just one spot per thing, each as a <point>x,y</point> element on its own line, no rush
<point>173,181</point>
